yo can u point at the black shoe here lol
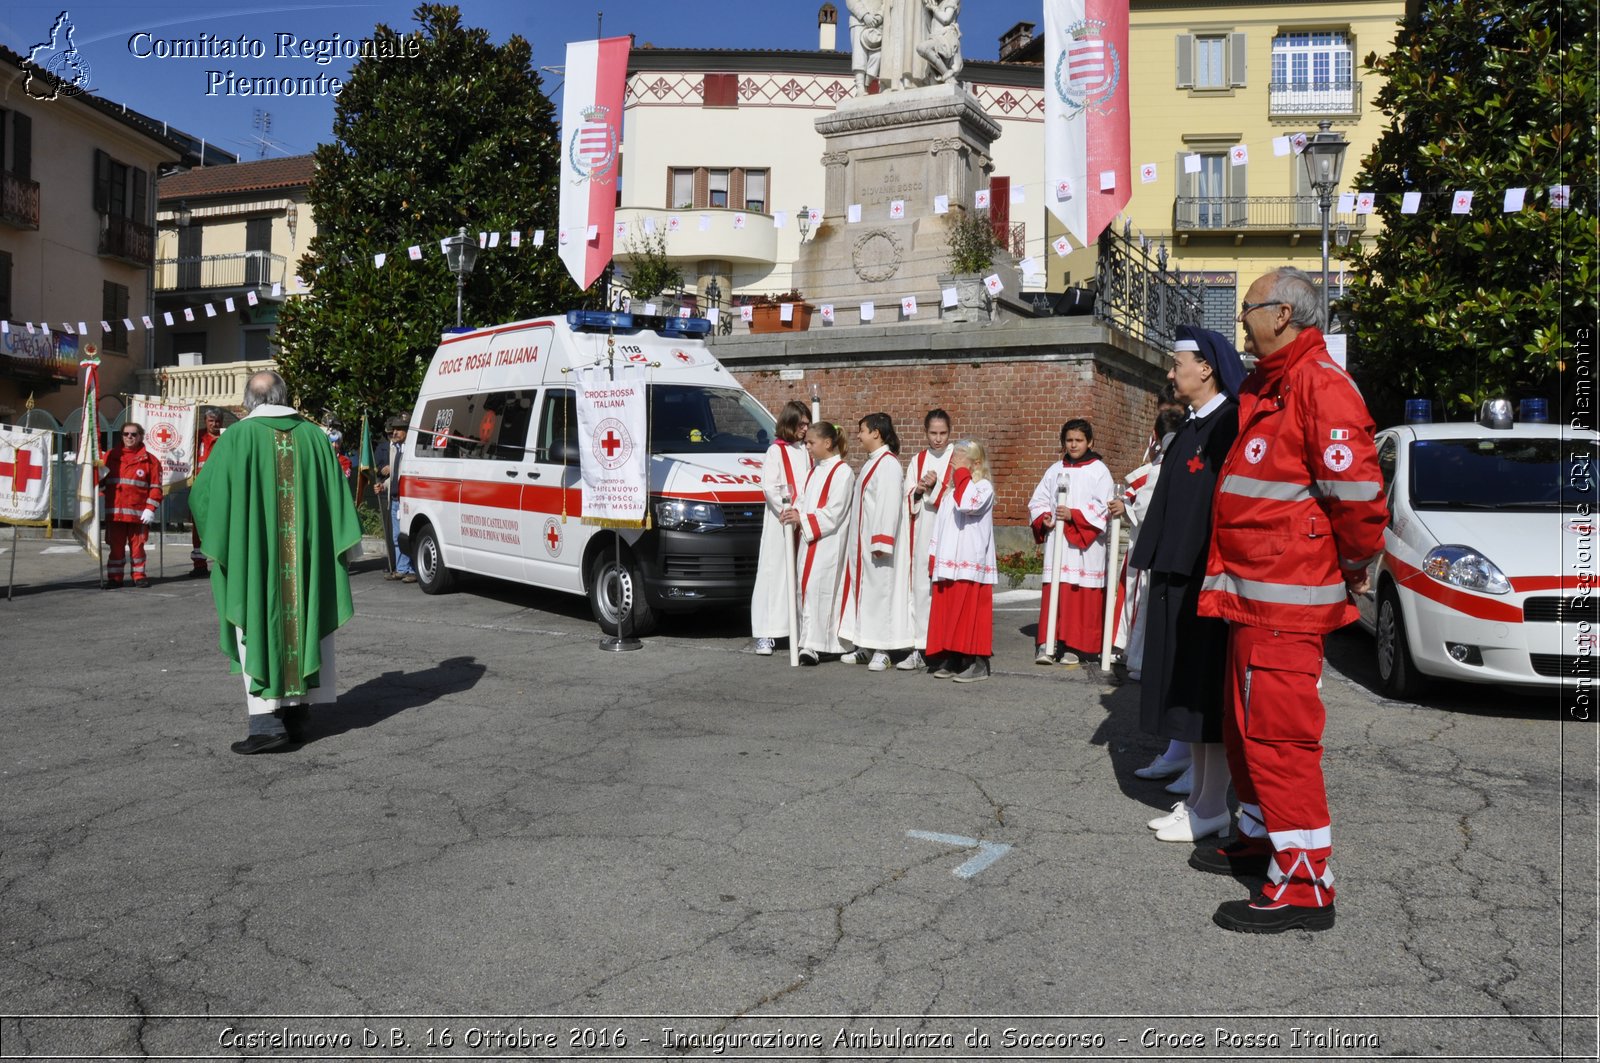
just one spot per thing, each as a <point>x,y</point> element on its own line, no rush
<point>1246,857</point>
<point>262,744</point>
<point>295,718</point>
<point>141,582</point>
<point>809,658</point>
<point>199,573</point>
<point>111,585</point>
<point>1262,915</point>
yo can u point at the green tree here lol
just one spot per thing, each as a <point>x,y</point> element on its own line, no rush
<point>1483,95</point>
<point>460,134</point>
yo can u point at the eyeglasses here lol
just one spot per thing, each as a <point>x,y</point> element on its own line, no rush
<point>133,435</point>
<point>1245,308</point>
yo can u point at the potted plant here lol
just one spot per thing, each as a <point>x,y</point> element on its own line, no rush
<point>768,314</point>
<point>972,244</point>
<point>650,273</point>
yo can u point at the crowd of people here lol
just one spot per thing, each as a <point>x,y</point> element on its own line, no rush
<point>1252,521</point>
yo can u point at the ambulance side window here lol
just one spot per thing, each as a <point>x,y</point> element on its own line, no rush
<point>558,428</point>
<point>504,424</point>
<point>444,425</point>
<point>1388,452</point>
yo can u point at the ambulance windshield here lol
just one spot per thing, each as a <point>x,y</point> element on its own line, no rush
<point>687,418</point>
<point>1499,473</point>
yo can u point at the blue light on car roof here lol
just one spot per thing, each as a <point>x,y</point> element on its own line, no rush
<point>1419,411</point>
<point>1536,411</point>
<point>686,326</point>
<point>598,320</point>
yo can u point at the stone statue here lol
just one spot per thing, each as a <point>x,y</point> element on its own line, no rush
<point>905,28</point>
<point>866,40</point>
<point>942,48</point>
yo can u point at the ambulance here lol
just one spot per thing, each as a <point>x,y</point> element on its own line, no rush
<point>1487,573</point>
<point>490,480</point>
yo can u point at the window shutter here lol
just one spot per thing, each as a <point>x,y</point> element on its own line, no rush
<point>1236,58</point>
<point>1238,196</point>
<point>1183,211</point>
<point>1185,60</point>
<point>21,146</point>
<point>4,114</point>
<point>736,188</point>
<point>702,187</point>
<point>5,286</point>
<point>140,184</point>
<point>102,182</point>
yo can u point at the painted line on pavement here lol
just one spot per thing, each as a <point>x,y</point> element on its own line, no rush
<point>62,550</point>
<point>988,852</point>
<point>1005,597</point>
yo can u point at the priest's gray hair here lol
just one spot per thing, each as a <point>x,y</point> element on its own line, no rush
<point>265,388</point>
<point>1296,289</point>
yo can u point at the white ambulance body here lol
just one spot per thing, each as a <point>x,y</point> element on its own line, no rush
<point>490,482</point>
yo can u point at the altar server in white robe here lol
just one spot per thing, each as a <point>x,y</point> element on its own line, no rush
<point>1081,562</point>
<point>783,470</point>
<point>927,482</point>
<point>822,513</point>
<point>875,616</point>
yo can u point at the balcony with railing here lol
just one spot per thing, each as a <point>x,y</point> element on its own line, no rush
<point>246,269</point>
<point>1236,215</point>
<point>219,384</point>
<point>1285,98</point>
<point>19,201</point>
<point>127,239</point>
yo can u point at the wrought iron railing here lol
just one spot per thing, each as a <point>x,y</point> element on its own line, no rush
<point>1262,213</point>
<point>245,269</point>
<point>1018,245</point>
<point>127,239</point>
<point>1314,97</point>
<point>1136,293</point>
<point>19,201</point>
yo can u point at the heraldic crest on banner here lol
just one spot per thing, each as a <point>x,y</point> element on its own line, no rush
<point>593,148</point>
<point>1088,69</point>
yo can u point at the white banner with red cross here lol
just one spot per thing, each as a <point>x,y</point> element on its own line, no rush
<point>169,427</point>
<point>1086,156</point>
<point>24,476</point>
<point>591,161</point>
<point>613,446</point>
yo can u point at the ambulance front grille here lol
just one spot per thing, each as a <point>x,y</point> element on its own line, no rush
<point>743,518</point>
<point>1556,610</point>
<point>721,569</point>
<point>1564,665</point>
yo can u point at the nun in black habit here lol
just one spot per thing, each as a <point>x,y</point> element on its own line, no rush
<point>1181,692</point>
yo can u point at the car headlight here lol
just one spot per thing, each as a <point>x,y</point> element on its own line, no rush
<point>1462,566</point>
<point>680,514</point>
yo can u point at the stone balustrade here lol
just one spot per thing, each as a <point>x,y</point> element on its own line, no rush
<point>218,384</point>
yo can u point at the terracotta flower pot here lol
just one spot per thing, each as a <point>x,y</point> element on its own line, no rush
<point>766,319</point>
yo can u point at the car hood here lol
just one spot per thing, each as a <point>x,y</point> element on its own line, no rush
<point>724,478</point>
<point>1519,544</point>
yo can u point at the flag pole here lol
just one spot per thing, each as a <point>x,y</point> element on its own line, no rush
<point>11,580</point>
<point>1113,543</point>
<point>1058,535</point>
<point>623,640</point>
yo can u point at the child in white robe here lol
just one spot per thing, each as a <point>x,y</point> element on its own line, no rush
<point>821,513</point>
<point>875,615</point>
<point>783,472</point>
<point>927,483</point>
<point>1081,563</point>
<point>961,621</point>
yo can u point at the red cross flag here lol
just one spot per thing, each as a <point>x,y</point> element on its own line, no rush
<point>169,434</point>
<point>613,446</point>
<point>24,476</point>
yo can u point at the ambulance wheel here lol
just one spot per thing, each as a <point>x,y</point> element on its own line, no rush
<point>617,591</point>
<point>432,576</point>
<point>1397,673</point>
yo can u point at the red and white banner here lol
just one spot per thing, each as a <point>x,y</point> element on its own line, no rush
<point>169,434</point>
<point>86,522</point>
<point>1086,113</point>
<point>613,448</point>
<point>24,476</point>
<point>591,139</point>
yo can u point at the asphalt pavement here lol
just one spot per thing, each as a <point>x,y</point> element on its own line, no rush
<point>504,840</point>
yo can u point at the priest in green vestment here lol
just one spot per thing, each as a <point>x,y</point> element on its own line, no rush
<point>276,519</point>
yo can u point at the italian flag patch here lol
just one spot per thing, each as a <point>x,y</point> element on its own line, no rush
<point>1339,433</point>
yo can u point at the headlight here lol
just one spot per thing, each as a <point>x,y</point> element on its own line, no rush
<point>1462,566</point>
<point>678,514</point>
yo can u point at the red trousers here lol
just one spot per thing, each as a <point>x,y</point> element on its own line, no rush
<point>1080,618</point>
<point>125,536</point>
<point>1273,735</point>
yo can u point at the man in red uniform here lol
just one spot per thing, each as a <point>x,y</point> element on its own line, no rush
<point>132,485</point>
<point>202,451</point>
<point>1299,514</point>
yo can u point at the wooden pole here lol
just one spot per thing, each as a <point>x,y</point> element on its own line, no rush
<point>1058,537</point>
<point>1113,541</point>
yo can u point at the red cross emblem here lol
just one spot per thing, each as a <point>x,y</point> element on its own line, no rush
<point>682,357</point>
<point>163,435</point>
<point>611,444</point>
<point>552,536</point>
<point>21,469</point>
<point>1238,154</point>
<point>1461,201</point>
<point>754,463</point>
<point>1196,463</point>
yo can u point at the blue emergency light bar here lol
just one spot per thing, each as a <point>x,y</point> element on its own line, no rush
<point>685,326</point>
<point>620,321</point>
<point>599,320</point>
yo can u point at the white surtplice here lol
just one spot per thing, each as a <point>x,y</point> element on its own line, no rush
<point>1089,487</point>
<point>876,609</point>
<point>824,518</point>
<point>921,513</point>
<point>785,466</point>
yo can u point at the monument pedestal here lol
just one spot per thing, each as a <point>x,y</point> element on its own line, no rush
<point>909,145</point>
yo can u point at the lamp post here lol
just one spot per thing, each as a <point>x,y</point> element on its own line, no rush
<point>804,221</point>
<point>1324,158</point>
<point>460,254</point>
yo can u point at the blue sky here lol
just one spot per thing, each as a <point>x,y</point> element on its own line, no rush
<point>180,91</point>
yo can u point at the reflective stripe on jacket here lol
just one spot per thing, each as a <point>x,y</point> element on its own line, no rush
<point>1300,499</point>
<point>132,483</point>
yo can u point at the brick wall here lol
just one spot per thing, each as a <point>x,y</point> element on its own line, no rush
<point>1014,407</point>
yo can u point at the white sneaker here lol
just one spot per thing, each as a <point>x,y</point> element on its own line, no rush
<point>809,658</point>
<point>1179,813</point>
<point>1044,656</point>
<point>912,663</point>
<point>879,662</point>
<point>853,657</point>
<point>1162,768</point>
<point>1192,828</point>
<point>1069,658</point>
<point>1184,783</point>
<point>764,647</point>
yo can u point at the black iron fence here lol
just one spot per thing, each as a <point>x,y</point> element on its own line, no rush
<point>1259,213</point>
<point>1136,293</point>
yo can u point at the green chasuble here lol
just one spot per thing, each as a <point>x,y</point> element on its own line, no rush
<point>275,517</point>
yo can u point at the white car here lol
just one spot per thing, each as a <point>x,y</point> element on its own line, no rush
<point>1488,571</point>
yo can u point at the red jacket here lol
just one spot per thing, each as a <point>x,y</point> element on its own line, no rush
<point>132,483</point>
<point>1299,500</point>
<point>202,449</point>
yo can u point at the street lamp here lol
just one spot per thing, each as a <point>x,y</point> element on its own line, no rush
<point>805,222</point>
<point>461,253</point>
<point>1324,158</point>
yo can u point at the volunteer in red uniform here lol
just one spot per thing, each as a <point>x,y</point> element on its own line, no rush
<point>202,451</point>
<point>132,485</point>
<point>1299,514</point>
